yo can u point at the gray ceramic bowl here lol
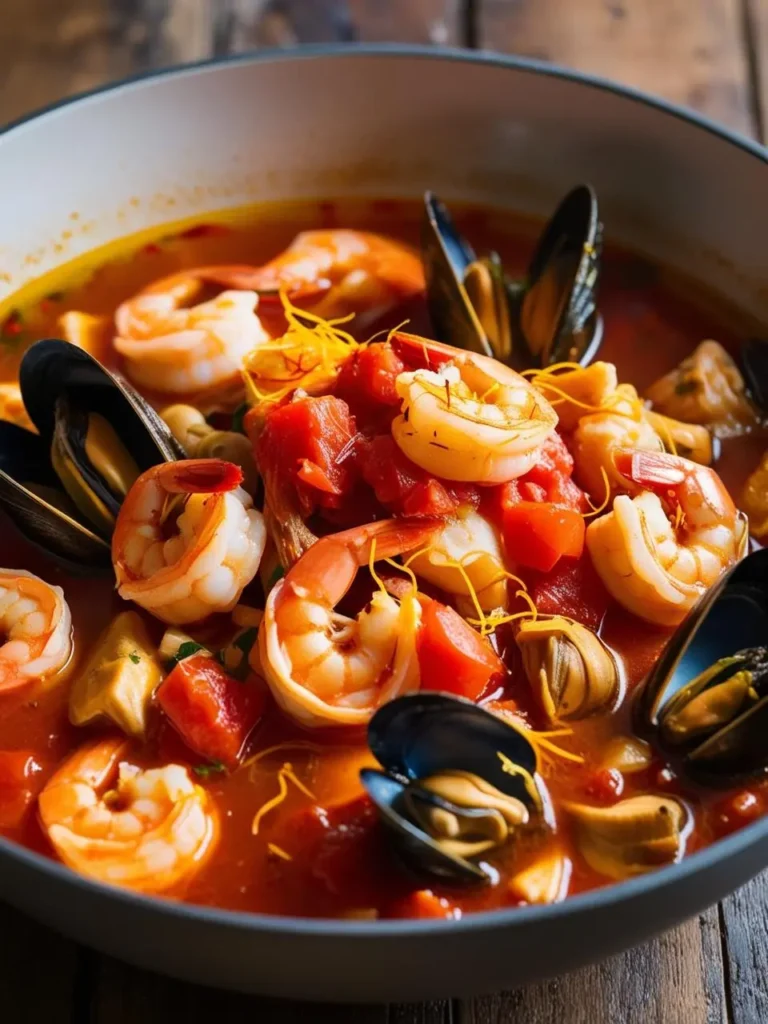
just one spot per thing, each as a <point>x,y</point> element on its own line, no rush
<point>381,121</point>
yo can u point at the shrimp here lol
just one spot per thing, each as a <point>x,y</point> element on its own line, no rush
<point>107,819</point>
<point>36,620</point>
<point>654,567</point>
<point>335,272</point>
<point>178,349</point>
<point>182,575</point>
<point>327,669</point>
<point>467,417</point>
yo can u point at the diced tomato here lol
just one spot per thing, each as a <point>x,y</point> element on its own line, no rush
<point>605,785</point>
<point>735,811</point>
<point>369,375</point>
<point>307,444</point>
<point>18,769</point>
<point>453,657</point>
<point>424,904</point>
<point>539,534</point>
<point>573,589</point>
<point>402,487</point>
<point>213,712</point>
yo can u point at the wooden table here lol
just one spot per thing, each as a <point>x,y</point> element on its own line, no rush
<point>708,54</point>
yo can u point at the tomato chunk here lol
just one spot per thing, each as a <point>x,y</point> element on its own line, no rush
<point>539,534</point>
<point>368,376</point>
<point>213,712</point>
<point>424,904</point>
<point>453,657</point>
<point>18,769</point>
<point>573,589</point>
<point>548,481</point>
<point>403,487</point>
<point>307,444</point>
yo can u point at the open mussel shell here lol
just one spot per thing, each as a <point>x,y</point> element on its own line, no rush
<point>551,316</point>
<point>96,434</point>
<point>419,736</point>
<point>706,699</point>
<point>31,495</point>
<point>557,317</point>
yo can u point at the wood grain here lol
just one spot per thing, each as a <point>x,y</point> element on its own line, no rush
<point>676,979</point>
<point>744,918</point>
<point>689,51</point>
<point>38,972</point>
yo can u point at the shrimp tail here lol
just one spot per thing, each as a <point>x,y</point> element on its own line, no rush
<point>202,476</point>
<point>391,537</point>
<point>648,469</point>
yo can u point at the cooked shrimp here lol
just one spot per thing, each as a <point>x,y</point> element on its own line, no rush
<point>336,272</point>
<point>623,424</point>
<point>107,819</point>
<point>184,574</point>
<point>176,349</point>
<point>35,619</point>
<point>655,567</point>
<point>465,416</point>
<point>12,406</point>
<point>325,668</point>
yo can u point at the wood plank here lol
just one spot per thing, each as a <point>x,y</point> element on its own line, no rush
<point>756,32</point>
<point>38,974</point>
<point>689,52</point>
<point>124,995</point>
<point>745,924</point>
<point>255,23</point>
<point>674,979</point>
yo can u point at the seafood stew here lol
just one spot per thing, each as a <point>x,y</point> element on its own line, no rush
<point>341,562</point>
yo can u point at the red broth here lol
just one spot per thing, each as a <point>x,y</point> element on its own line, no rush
<point>327,856</point>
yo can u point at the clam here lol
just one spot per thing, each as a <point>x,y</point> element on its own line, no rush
<point>571,671</point>
<point>457,782</point>
<point>549,317</point>
<point>706,700</point>
<point>631,837</point>
<point>63,486</point>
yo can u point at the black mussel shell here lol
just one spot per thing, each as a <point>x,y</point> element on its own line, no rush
<point>549,317</point>
<point>31,494</point>
<point>729,621</point>
<point>557,317</point>
<point>446,256</point>
<point>422,734</point>
<point>65,390</point>
<point>754,363</point>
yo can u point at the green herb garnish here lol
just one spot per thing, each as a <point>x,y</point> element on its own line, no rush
<point>134,657</point>
<point>245,641</point>
<point>205,771</point>
<point>186,650</point>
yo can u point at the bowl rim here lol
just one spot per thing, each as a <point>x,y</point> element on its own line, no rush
<point>488,920</point>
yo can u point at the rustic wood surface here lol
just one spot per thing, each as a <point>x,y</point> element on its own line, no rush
<point>709,54</point>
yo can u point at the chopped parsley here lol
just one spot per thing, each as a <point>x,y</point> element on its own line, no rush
<point>186,650</point>
<point>135,658</point>
<point>205,771</point>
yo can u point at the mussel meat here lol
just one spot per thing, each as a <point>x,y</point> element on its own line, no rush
<point>64,486</point>
<point>571,671</point>
<point>457,782</point>
<point>706,699</point>
<point>633,836</point>
<point>549,317</point>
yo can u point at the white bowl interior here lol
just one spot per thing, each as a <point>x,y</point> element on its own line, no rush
<point>198,140</point>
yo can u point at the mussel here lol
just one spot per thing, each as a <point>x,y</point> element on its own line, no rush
<point>549,317</point>
<point>458,782</point>
<point>63,486</point>
<point>705,702</point>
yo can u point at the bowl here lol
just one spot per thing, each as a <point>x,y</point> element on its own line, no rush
<point>383,121</point>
